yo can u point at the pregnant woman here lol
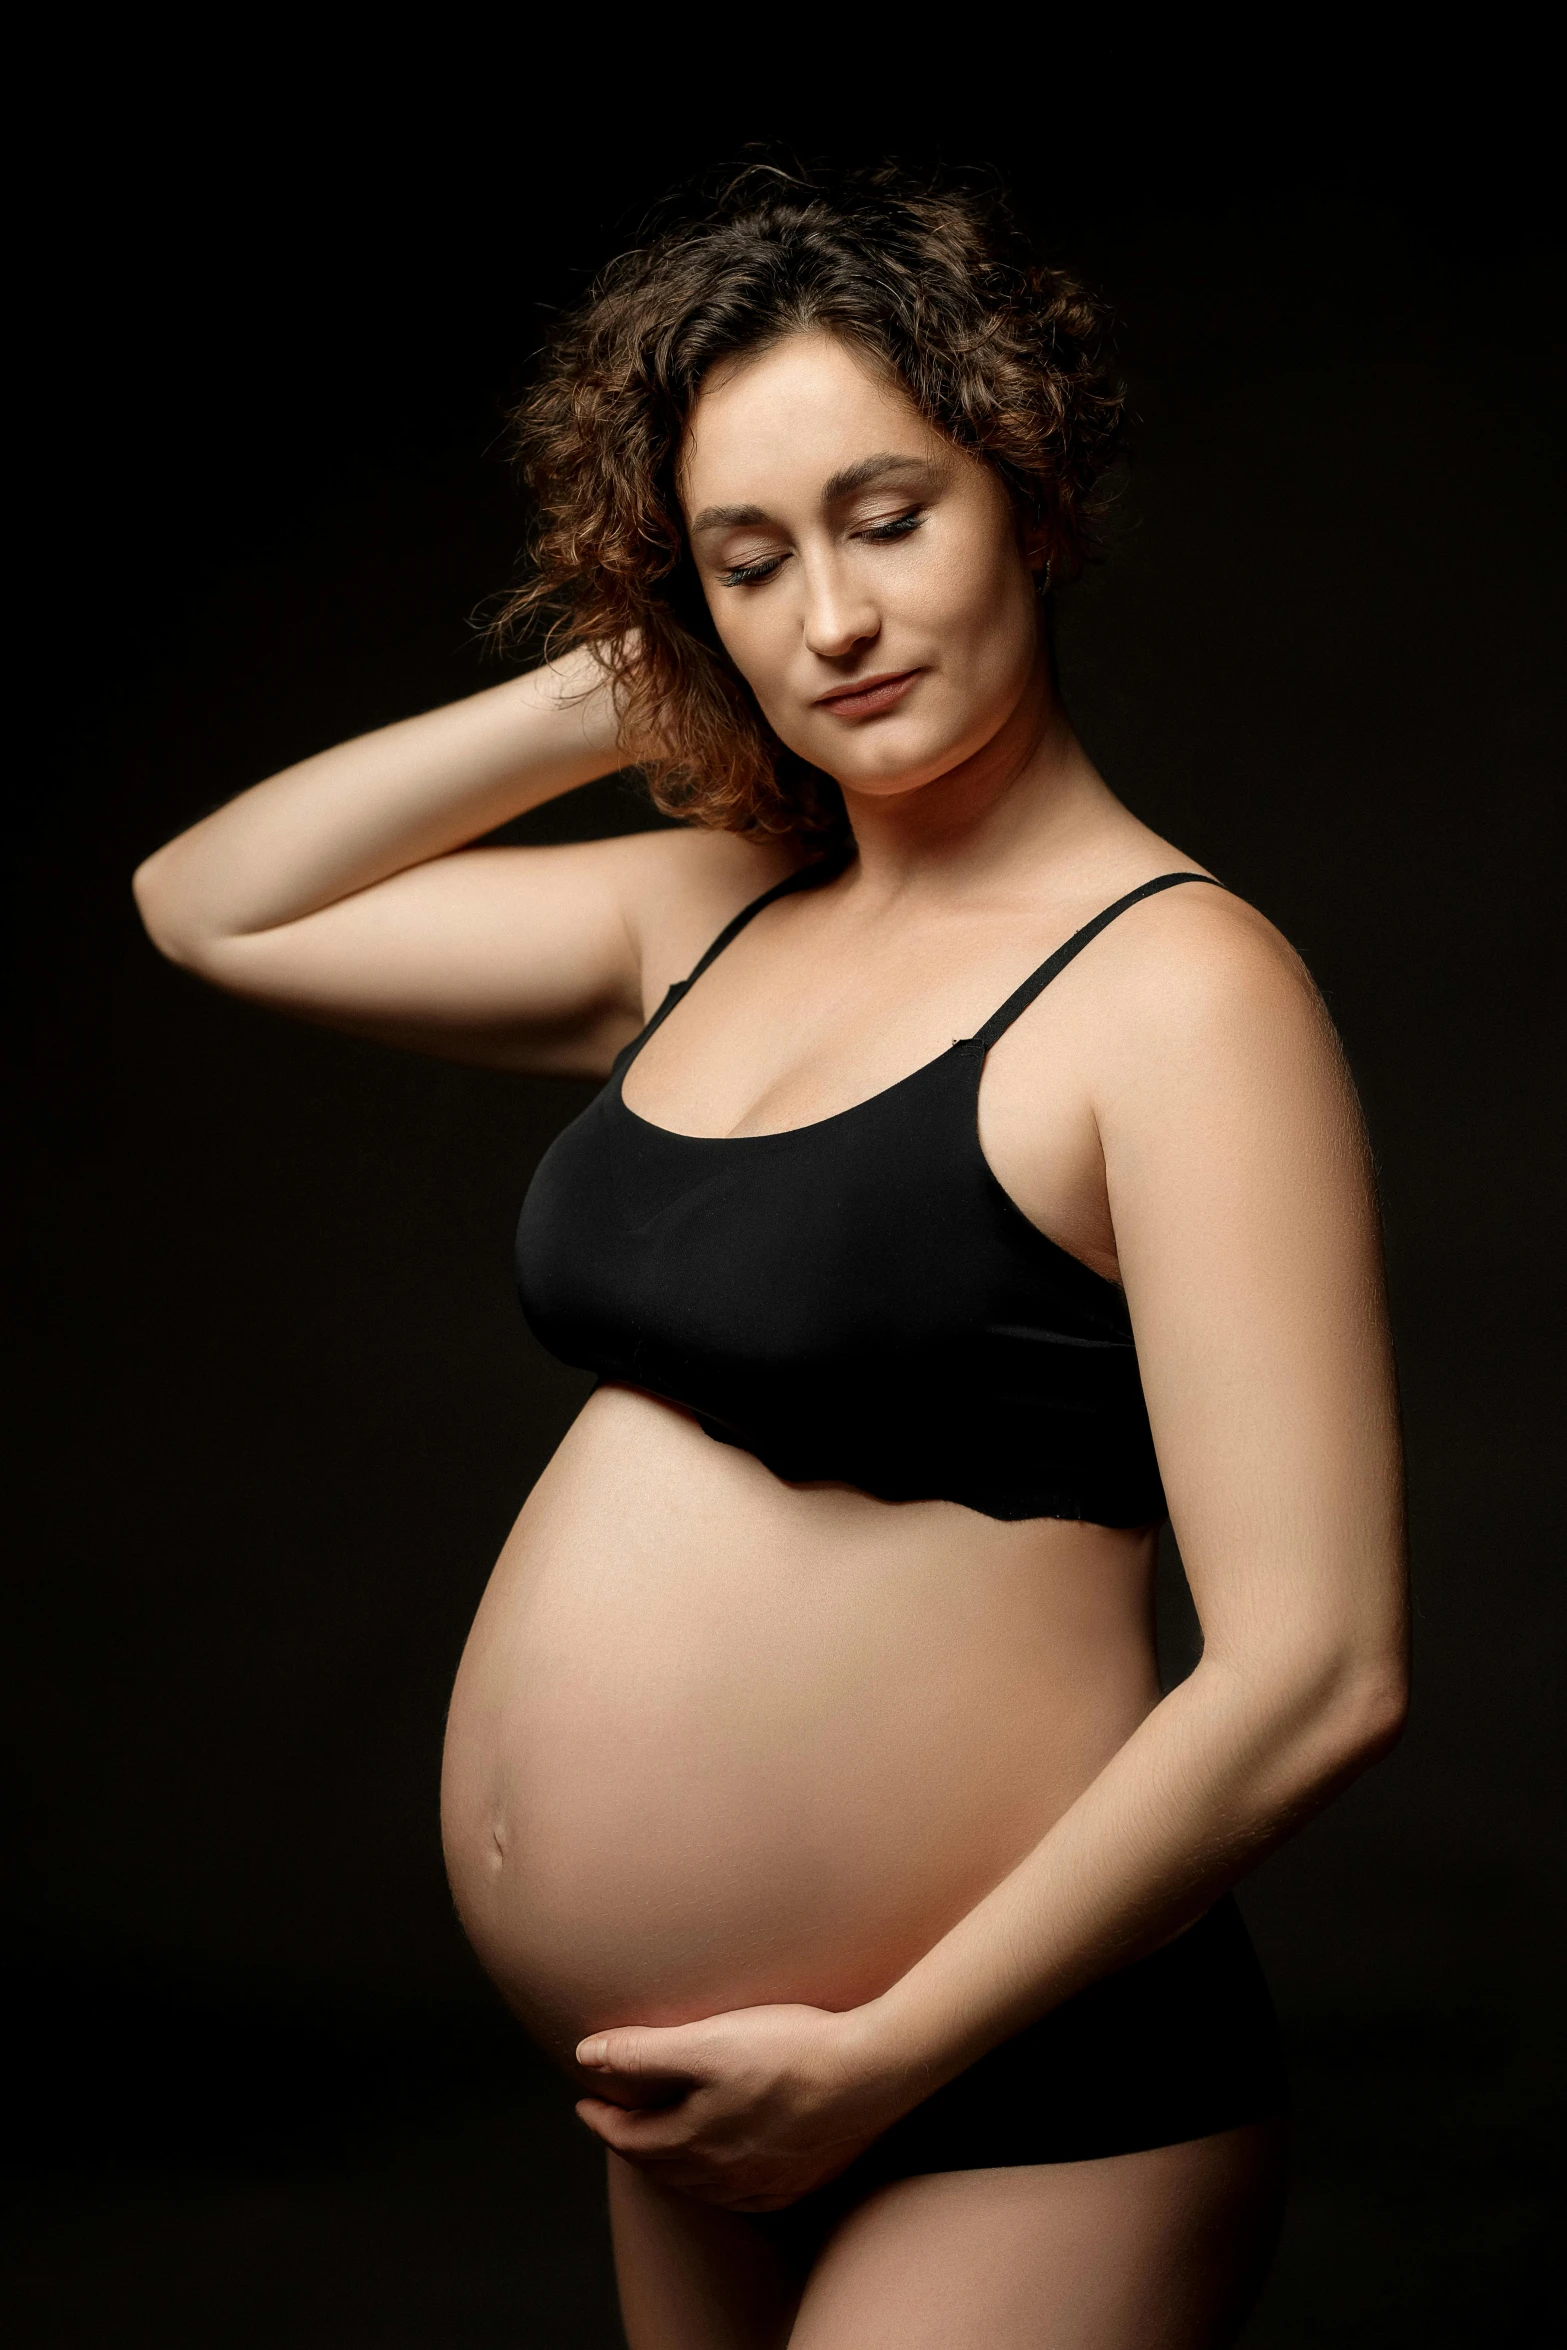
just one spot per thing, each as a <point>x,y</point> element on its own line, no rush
<point>974,1180</point>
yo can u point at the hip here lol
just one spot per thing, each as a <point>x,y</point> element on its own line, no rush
<point>1179,2045</point>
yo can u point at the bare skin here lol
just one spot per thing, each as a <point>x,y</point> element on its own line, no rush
<point>771,1807</point>
<point>1156,2251</point>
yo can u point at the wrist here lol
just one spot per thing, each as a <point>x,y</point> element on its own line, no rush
<point>888,2058</point>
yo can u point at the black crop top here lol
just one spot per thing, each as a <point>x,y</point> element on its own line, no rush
<point>855,1301</point>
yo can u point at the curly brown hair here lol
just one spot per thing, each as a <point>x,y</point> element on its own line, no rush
<point>930,278</point>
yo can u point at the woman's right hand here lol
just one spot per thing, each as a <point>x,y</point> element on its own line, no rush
<point>333,891</point>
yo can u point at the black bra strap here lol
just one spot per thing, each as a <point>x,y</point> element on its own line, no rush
<point>1035,985</point>
<point>805,878</point>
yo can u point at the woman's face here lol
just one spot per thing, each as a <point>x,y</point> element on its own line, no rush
<point>865,576</point>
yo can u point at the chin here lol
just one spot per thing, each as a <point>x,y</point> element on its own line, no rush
<point>903,770</point>
<point>884,757</point>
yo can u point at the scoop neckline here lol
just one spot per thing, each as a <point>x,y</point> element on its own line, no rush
<point>959,1044</point>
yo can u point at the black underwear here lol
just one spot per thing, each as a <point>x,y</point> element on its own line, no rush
<point>1176,2046</point>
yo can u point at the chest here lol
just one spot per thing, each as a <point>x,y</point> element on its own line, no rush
<point>759,1053</point>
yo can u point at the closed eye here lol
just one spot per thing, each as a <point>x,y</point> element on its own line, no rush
<point>744,573</point>
<point>899,527</point>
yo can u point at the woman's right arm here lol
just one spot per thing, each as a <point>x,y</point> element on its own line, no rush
<point>332,890</point>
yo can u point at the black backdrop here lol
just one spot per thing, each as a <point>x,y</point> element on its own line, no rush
<point>279,1405</point>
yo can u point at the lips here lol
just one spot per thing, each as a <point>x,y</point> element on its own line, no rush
<point>869,699</point>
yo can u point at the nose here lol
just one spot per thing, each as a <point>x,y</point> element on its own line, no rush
<point>839,615</point>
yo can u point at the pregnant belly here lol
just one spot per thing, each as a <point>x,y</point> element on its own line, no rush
<point>717,1741</point>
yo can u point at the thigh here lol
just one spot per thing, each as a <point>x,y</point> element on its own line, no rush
<point>692,2277</point>
<point>1158,2251</point>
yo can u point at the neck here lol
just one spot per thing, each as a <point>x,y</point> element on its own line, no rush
<point>1025,796</point>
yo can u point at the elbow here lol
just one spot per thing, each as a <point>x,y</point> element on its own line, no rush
<point>157,903</point>
<point>147,890</point>
<point>1371,1712</point>
<point>1327,1717</point>
<point>1362,1705</point>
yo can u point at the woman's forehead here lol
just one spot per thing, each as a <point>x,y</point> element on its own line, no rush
<point>796,419</point>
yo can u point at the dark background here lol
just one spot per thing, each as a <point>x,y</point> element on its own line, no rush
<point>278,1407</point>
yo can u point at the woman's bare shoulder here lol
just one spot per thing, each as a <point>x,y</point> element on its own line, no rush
<point>1200,952</point>
<point>680,887</point>
<point>1201,990</point>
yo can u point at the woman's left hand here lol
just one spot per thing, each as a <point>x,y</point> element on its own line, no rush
<point>762,2104</point>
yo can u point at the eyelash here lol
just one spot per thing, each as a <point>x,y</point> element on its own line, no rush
<point>901,526</point>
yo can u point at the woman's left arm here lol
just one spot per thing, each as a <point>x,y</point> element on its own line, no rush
<point>1246,1227</point>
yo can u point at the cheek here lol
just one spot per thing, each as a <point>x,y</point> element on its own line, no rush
<point>981,613</point>
<point>757,643</point>
<point>992,588</point>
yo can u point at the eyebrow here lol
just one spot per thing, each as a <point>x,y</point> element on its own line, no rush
<point>844,483</point>
<point>838,486</point>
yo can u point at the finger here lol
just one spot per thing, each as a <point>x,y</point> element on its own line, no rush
<point>643,2050</point>
<point>640,2137</point>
